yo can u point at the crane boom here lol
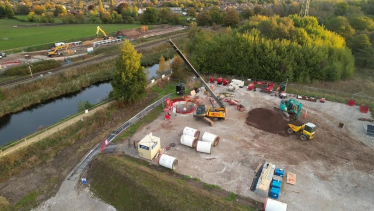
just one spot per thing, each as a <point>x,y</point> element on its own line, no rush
<point>197,74</point>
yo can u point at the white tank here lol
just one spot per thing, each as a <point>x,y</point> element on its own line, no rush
<point>188,140</point>
<point>213,139</point>
<point>203,146</point>
<point>167,161</point>
<point>191,132</point>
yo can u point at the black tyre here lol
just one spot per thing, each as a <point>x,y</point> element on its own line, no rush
<point>304,137</point>
<point>290,131</point>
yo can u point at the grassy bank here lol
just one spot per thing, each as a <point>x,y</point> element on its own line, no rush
<point>131,184</point>
<point>25,95</point>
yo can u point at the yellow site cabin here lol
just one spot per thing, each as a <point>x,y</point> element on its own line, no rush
<point>149,146</point>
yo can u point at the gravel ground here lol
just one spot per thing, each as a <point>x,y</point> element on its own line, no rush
<point>70,198</point>
<point>334,170</point>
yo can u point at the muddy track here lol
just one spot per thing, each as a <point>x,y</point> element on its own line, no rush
<point>95,60</point>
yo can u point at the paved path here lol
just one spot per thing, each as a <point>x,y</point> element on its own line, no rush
<point>51,131</point>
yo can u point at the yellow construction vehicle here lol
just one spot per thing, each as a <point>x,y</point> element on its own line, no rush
<point>98,29</point>
<point>202,112</point>
<point>306,130</point>
<point>53,53</point>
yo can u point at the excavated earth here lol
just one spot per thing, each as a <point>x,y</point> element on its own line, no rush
<point>269,121</point>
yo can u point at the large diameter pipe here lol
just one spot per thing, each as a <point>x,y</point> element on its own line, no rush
<point>167,161</point>
<point>211,138</point>
<point>188,140</point>
<point>203,146</point>
<point>191,132</point>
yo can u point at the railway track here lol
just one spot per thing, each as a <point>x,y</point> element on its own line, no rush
<point>27,79</point>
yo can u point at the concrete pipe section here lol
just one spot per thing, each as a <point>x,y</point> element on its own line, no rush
<point>211,138</point>
<point>167,161</point>
<point>203,146</point>
<point>191,132</point>
<point>188,140</point>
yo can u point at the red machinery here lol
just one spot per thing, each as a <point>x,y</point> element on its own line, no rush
<point>267,87</point>
<point>211,80</point>
<point>225,82</point>
<point>219,80</point>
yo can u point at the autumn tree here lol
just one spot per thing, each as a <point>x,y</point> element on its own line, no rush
<point>59,9</point>
<point>101,7</point>
<point>2,11</point>
<point>191,12</point>
<point>9,13</point>
<point>111,5</point>
<point>246,13</point>
<point>340,25</point>
<point>149,16</point>
<point>154,2</point>
<point>161,65</point>
<point>178,67</point>
<point>216,14</point>
<point>106,17</point>
<point>231,18</point>
<point>37,9</point>
<point>204,18</point>
<point>129,80</point>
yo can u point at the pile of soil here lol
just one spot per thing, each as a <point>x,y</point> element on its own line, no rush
<point>129,33</point>
<point>269,121</point>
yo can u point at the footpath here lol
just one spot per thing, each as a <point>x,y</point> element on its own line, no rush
<point>52,130</point>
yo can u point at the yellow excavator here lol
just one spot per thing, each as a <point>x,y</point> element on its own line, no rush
<point>207,114</point>
<point>53,53</point>
<point>98,29</point>
<point>306,131</point>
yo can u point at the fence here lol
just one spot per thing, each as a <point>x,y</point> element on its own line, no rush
<point>91,155</point>
<point>50,127</point>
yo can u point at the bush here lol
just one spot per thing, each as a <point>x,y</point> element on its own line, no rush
<point>37,67</point>
<point>274,48</point>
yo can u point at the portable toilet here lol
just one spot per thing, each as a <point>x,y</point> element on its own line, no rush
<point>149,146</point>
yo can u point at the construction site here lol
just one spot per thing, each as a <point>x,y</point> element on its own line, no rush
<point>62,50</point>
<point>254,149</point>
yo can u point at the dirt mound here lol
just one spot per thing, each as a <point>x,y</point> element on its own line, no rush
<point>269,121</point>
<point>129,33</point>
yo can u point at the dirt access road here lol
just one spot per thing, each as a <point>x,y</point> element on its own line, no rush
<point>334,170</point>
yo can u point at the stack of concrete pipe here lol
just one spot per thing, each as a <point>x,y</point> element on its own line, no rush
<point>190,138</point>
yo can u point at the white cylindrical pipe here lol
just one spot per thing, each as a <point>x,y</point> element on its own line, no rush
<point>188,140</point>
<point>191,132</point>
<point>203,146</point>
<point>213,139</point>
<point>167,161</point>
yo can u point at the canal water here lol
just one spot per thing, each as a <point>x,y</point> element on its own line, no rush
<point>19,125</point>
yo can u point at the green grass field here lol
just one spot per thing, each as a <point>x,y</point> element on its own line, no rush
<point>25,36</point>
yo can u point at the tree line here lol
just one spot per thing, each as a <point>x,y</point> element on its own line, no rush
<point>271,48</point>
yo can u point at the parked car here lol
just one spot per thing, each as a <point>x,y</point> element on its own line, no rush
<point>2,55</point>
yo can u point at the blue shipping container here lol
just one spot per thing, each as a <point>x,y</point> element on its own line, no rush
<point>274,193</point>
<point>276,183</point>
<point>279,172</point>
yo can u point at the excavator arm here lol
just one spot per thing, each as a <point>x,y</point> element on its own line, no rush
<point>197,74</point>
<point>98,29</point>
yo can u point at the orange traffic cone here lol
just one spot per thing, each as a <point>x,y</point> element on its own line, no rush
<point>305,114</point>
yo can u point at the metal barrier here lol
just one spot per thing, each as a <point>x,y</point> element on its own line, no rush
<point>92,154</point>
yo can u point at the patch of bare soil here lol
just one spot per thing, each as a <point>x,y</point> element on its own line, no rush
<point>269,121</point>
<point>46,178</point>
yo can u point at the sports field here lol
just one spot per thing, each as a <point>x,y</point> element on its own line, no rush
<point>15,34</point>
